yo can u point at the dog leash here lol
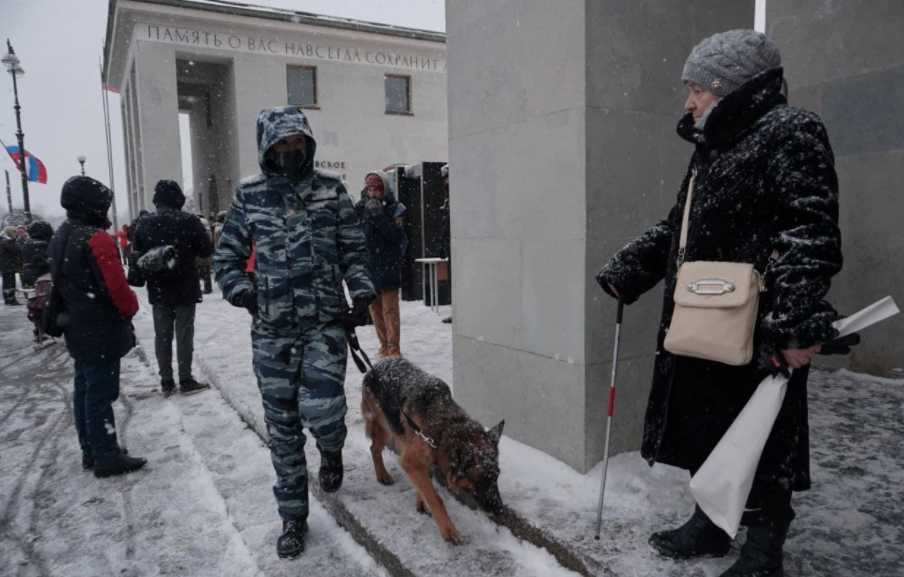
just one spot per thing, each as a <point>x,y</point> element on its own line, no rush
<point>363,364</point>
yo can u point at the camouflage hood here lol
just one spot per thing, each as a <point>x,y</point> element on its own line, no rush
<point>274,124</point>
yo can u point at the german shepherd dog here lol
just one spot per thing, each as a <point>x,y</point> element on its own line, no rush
<point>407,408</point>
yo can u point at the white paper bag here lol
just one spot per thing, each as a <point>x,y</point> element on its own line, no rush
<point>723,483</point>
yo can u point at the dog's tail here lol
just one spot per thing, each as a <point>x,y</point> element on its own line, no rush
<point>373,383</point>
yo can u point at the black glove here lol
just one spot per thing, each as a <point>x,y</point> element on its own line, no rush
<point>771,362</point>
<point>357,315</point>
<point>840,346</point>
<point>374,207</point>
<point>247,299</point>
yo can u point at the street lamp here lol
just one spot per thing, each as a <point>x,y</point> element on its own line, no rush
<point>81,160</point>
<point>11,61</point>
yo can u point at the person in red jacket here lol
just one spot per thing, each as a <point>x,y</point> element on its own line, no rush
<point>98,306</point>
<point>122,240</point>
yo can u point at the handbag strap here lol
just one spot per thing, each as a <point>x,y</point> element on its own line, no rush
<point>685,222</point>
<point>682,243</point>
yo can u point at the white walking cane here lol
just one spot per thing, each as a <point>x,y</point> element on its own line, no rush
<point>599,512</point>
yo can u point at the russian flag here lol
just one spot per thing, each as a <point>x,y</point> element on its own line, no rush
<point>34,168</point>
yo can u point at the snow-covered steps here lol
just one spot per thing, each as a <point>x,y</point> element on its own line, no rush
<point>201,507</point>
<point>858,467</point>
<point>383,519</point>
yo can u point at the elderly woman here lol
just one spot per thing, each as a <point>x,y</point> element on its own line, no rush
<point>764,185</point>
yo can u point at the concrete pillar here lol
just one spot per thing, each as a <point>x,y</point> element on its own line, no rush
<point>157,115</point>
<point>562,149</point>
<point>267,76</point>
<point>845,61</point>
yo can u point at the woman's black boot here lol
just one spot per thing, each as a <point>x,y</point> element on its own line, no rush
<point>699,537</point>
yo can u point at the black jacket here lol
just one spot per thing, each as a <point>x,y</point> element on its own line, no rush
<point>98,303</point>
<point>386,238</point>
<point>765,181</point>
<point>184,231</point>
<point>10,254</point>
<point>34,254</point>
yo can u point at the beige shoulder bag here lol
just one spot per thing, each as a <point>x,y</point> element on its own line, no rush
<point>715,306</point>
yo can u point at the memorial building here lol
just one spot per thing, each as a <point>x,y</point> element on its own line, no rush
<point>375,94</point>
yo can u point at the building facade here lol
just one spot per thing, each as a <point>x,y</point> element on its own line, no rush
<point>375,95</point>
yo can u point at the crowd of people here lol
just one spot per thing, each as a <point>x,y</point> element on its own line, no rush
<point>293,244</point>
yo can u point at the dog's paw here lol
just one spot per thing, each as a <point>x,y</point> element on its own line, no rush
<point>450,534</point>
<point>385,478</point>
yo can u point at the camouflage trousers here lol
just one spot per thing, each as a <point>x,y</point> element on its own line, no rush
<point>301,377</point>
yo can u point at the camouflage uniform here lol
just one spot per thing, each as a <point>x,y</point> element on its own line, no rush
<point>307,242</point>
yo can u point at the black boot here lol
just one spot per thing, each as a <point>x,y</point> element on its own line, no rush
<point>190,386</point>
<point>761,555</point>
<point>291,543</point>
<point>699,537</point>
<point>124,464</point>
<point>88,459</point>
<point>167,387</point>
<point>331,471</point>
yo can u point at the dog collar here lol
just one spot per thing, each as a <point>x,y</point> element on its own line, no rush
<point>417,431</point>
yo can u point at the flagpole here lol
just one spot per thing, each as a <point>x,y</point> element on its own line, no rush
<point>106,105</point>
<point>9,193</point>
<point>20,136</point>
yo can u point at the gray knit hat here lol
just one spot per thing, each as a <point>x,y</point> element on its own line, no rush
<point>725,61</point>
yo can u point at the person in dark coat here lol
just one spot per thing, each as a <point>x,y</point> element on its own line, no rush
<point>10,264</point>
<point>174,295</point>
<point>446,248</point>
<point>765,181</point>
<point>34,252</point>
<point>96,317</point>
<point>382,217</point>
<point>132,227</point>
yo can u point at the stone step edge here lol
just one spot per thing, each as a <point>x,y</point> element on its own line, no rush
<point>519,527</point>
<point>334,506</point>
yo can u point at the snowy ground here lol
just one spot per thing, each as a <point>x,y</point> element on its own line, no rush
<point>204,505</point>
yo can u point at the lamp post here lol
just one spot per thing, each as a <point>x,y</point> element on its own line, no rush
<point>11,61</point>
<point>81,160</point>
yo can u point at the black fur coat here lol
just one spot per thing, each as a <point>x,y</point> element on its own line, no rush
<point>765,181</point>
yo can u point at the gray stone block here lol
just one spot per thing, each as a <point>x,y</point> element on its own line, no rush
<point>822,41</point>
<point>806,97</point>
<point>541,195</point>
<point>873,248</point>
<point>863,113</point>
<point>487,289</point>
<point>541,399</point>
<point>635,53</point>
<point>552,299</point>
<point>514,64</point>
<point>712,16</point>
<point>632,390</point>
<point>623,172</point>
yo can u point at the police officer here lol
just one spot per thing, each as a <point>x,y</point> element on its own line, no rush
<point>307,239</point>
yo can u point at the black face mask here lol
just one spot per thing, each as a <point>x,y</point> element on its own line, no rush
<point>290,162</point>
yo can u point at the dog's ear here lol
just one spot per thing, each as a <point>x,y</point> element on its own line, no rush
<point>460,458</point>
<point>496,432</point>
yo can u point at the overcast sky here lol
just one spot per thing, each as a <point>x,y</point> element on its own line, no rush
<point>59,43</point>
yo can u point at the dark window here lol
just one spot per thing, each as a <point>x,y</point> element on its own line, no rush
<point>398,94</point>
<point>302,82</point>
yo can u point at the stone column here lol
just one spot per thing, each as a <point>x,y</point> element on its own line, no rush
<point>844,60</point>
<point>160,149</point>
<point>562,149</point>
